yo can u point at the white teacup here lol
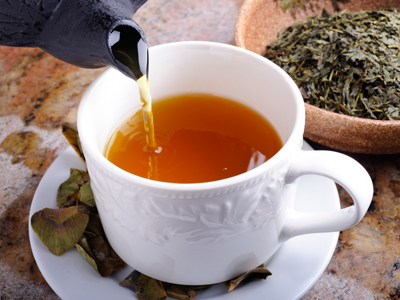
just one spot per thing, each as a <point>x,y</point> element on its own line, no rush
<point>210,232</point>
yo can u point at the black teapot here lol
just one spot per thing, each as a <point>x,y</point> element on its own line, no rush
<point>85,33</point>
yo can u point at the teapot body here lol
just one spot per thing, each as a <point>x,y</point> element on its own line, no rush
<point>75,31</point>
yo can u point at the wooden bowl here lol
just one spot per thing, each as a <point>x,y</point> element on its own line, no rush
<point>258,24</point>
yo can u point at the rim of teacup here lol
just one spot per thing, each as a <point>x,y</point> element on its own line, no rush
<point>247,178</point>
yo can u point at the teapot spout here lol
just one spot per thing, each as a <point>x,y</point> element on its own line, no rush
<point>128,49</point>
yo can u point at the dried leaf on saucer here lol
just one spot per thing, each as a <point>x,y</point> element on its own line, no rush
<point>86,194</point>
<point>76,222</point>
<point>98,252</point>
<point>184,292</point>
<point>76,188</point>
<point>95,248</point>
<point>147,288</point>
<point>60,229</point>
<point>152,289</point>
<point>94,226</point>
<point>107,260</point>
<point>70,132</point>
<point>257,273</point>
<point>87,257</point>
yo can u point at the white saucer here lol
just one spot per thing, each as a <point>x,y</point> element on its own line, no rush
<point>295,267</point>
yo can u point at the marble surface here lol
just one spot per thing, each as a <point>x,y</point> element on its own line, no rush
<point>39,92</point>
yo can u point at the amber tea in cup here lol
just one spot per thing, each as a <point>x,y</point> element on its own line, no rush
<point>199,137</point>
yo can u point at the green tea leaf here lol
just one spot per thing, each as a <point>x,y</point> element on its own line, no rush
<point>60,229</point>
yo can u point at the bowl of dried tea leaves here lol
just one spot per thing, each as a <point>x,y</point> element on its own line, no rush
<point>345,59</point>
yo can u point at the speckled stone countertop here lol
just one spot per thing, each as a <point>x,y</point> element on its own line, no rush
<point>39,92</point>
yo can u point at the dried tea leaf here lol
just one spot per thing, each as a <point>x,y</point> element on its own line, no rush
<point>60,229</point>
<point>69,191</point>
<point>70,132</point>
<point>346,63</point>
<point>257,273</point>
<point>86,256</point>
<point>291,4</point>
<point>147,288</point>
<point>184,292</point>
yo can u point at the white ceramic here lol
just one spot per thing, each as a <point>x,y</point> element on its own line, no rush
<point>224,228</point>
<point>297,264</point>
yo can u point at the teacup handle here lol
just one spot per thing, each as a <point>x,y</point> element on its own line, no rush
<point>345,171</point>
